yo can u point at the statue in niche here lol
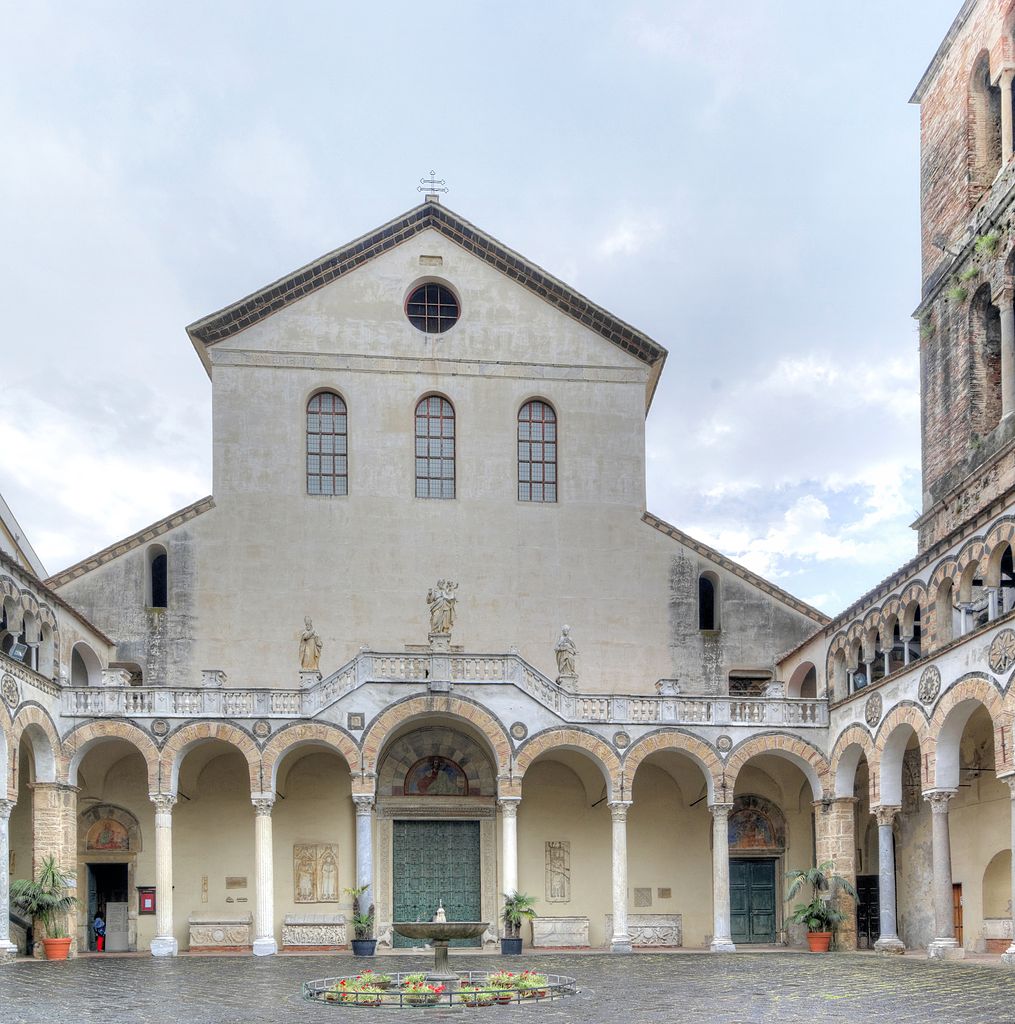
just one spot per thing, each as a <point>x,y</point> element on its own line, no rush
<point>558,871</point>
<point>441,600</point>
<point>566,653</point>
<point>310,647</point>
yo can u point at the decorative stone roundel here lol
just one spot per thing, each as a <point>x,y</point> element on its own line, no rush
<point>1002,651</point>
<point>262,728</point>
<point>621,740</point>
<point>930,684</point>
<point>9,690</point>
<point>160,727</point>
<point>725,744</point>
<point>519,731</point>
<point>872,709</point>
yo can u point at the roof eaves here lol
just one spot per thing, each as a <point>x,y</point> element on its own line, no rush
<point>942,51</point>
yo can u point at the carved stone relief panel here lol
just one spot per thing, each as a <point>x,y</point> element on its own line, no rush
<point>315,873</point>
<point>558,871</point>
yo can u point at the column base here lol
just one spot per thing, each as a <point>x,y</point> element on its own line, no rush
<point>890,946</point>
<point>1008,956</point>
<point>265,947</point>
<point>945,949</point>
<point>621,944</point>
<point>164,945</point>
<point>722,946</point>
<point>8,951</point>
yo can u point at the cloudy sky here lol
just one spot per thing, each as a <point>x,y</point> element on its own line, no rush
<point>738,180</point>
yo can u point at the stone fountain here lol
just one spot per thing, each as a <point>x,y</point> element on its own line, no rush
<point>439,932</point>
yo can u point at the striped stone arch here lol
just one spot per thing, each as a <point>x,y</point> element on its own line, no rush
<point>806,757</point>
<point>891,611</point>
<point>890,744</point>
<point>999,537</point>
<point>703,754</point>
<point>50,764</point>
<point>914,595</point>
<point>573,739</point>
<point>454,707</point>
<point>946,569</point>
<point>851,743</point>
<point>971,553</point>
<point>190,736</point>
<point>11,592</point>
<point>837,646</point>
<point>29,602</point>
<point>950,716</point>
<point>81,739</point>
<point>301,734</point>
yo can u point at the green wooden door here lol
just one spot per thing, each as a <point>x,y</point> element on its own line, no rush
<point>436,860</point>
<point>752,900</point>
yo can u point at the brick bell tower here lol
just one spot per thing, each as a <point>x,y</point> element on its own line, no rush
<point>966,314</point>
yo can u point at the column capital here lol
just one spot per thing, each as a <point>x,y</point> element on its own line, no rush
<point>163,801</point>
<point>826,803</point>
<point>509,805</point>
<point>938,799</point>
<point>263,805</point>
<point>886,813</point>
<point>619,809</point>
<point>1003,296</point>
<point>6,806</point>
<point>1005,75</point>
<point>364,803</point>
<point>718,810</point>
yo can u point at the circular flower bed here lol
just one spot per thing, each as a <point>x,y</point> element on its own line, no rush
<point>411,990</point>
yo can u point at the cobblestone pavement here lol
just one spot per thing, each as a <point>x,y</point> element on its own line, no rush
<point>745,988</point>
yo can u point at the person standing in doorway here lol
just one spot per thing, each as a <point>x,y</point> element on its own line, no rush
<point>99,927</point>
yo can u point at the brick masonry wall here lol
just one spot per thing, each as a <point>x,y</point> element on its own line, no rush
<point>54,832</point>
<point>835,841</point>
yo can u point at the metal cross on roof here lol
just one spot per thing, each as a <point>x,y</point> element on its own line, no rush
<point>432,185</point>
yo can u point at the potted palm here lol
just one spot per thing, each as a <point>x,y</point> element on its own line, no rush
<point>47,900</point>
<point>363,941</point>
<point>819,915</point>
<point>518,907</point>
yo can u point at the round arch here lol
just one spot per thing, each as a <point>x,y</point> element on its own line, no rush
<point>806,757</point>
<point>899,726</point>
<point>467,711</point>
<point>190,736</point>
<point>949,720</point>
<point>32,720</point>
<point>701,753</point>
<point>306,734</point>
<point>8,777</point>
<point>595,747</point>
<point>86,669</point>
<point>82,738</point>
<point>852,744</point>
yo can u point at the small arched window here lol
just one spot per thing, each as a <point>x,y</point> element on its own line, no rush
<point>537,452</point>
<point>85,669</point>
<point>708,601</point>
<point>435,448</point>
<point>327,450</point>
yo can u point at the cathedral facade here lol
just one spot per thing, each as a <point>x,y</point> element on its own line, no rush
<point>425,641</point>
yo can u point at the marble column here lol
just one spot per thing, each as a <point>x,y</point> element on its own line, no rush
<point>1005,301</point>
<point>509,842</point>
<point>264,877</point>
<point>889,941</point>
<point>722,941</point>
<point>1006,114</point>
<point>906,653</point>
<point>944,944</point>
<point>365,847</point>
<point>7,948</point>
<point>620,941</point>
<point>1008,956</point>
<point>164,943</point>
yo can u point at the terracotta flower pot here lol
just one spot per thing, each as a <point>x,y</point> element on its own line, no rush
<point>56,949</point>
<point>818,942</point>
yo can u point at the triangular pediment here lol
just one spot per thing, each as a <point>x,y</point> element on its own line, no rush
<point>275,297</point>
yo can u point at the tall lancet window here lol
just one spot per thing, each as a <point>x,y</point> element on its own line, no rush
<point>537,452</point>
<point>327,451</point>
<point>435,448</point>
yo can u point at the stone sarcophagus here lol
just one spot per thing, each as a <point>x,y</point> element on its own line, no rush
<point>314,931</point>
<point>560,931</point>
<point>212,933</point>
<point>651,929</point>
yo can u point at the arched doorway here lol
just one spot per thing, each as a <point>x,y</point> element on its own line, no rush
<point>436,818</point>
<point>757,837</point>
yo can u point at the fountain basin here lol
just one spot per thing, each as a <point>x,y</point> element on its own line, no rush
<point>440,931</point>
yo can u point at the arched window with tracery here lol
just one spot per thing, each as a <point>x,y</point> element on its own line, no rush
<point>435,448</point>
<point>327,448</point>
<point>537,452</point>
